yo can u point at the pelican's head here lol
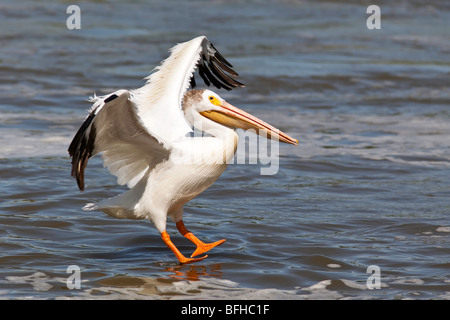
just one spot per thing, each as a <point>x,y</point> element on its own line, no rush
<point>202,106</point>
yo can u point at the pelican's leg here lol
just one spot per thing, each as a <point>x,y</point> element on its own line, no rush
<point>201,246</point>
<point>165,237</point>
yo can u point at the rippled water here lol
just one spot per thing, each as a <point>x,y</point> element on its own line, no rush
<point>368,184</point>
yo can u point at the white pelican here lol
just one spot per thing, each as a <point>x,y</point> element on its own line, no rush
<point>147,139</point>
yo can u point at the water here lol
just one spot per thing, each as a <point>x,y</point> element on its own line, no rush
<point>368,184</point>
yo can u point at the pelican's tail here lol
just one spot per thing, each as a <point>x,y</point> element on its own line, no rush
<point>118,207</point>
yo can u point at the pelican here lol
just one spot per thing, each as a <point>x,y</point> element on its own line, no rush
<point>149,139</point>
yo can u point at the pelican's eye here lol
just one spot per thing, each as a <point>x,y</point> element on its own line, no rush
<point>214,101</point>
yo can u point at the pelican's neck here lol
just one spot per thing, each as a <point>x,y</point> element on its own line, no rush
<point>212,142</point>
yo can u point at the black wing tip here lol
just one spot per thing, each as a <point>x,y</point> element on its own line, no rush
<point>110,98</point>
<point>220,57</point>
<point>215,69</point>
<point>81,149</point>
<point>82,146</point>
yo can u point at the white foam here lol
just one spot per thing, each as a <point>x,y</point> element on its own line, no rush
<point>407,139</point>
<point>443,229</point>
<point>416,281</point>
<point>22,144</point>
<point>38,280</point>
<point>49,136</point>
<point>354,285</point>
<point>150,289</point>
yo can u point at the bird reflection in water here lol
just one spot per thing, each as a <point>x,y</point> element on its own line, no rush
<point>193,272</point>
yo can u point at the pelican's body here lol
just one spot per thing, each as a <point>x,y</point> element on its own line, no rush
<point>150,139</point>
<point>193,164</point>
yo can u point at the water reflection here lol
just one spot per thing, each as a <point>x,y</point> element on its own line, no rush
<point>193,272</point>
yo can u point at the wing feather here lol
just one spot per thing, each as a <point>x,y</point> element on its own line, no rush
<point>114,128</point>
<point>160,99</point>
<point>136,130</point>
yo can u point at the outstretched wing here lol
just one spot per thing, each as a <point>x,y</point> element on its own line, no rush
<point>160,99</point>
<point>114,128</point>
<point>137,130</point>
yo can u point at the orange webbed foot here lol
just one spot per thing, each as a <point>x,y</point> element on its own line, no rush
<point>185,260</point>
<point>205,247</point>
<point>201,246</point>
<point>181,258</point>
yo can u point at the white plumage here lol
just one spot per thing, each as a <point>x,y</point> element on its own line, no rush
<point>147,139</point>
